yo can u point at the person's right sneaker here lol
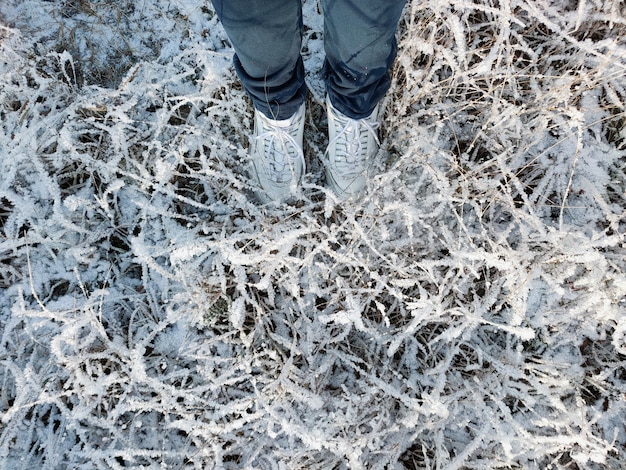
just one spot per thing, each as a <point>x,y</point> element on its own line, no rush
<point>351,147</point>
<point>276,157</point>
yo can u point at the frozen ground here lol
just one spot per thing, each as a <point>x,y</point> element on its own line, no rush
<point>469,312</point>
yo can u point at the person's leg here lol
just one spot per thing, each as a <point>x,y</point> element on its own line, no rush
<point>360,43</point>
<point>266,36</point>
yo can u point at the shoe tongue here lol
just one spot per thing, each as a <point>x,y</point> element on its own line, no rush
<point>279,161</point>
<point>279,123</point>
<point>280,156</point>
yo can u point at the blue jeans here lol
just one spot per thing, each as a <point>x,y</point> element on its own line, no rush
<point>359,40</point>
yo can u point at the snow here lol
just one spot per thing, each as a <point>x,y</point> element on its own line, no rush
<point>468,312</point>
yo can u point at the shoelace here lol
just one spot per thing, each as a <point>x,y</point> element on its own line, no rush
<point>279,137</point>
<point>350,161</point>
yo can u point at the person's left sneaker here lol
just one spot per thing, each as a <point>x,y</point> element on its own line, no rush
<point>352,145</point>
<point>276,157</point>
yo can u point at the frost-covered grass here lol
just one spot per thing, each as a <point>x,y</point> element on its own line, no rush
<point>468,312</point>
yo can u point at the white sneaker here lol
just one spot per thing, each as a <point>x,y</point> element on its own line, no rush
<point>276,156</point>
<point>352,145</point>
